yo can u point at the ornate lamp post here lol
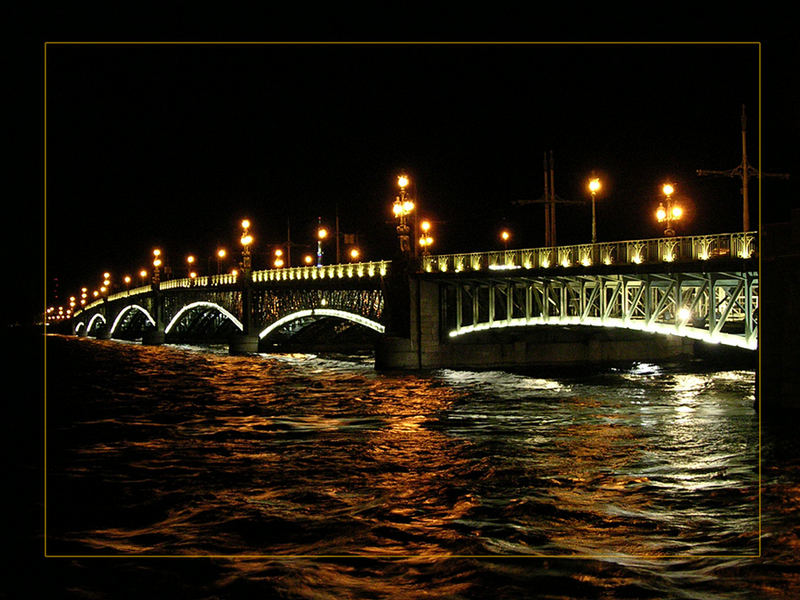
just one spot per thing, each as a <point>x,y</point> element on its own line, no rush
<point>425,240</point>
<point>667,211</point>
<point>246,240</point>
<point>156,266</point>
<point>402,207</point>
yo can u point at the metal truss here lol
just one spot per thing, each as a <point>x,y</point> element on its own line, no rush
<point>716,307</point>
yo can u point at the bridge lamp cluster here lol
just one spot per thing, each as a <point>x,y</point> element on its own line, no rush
<point>402,207</point>
<point>246,238</point>
<point>668,212</point>
<point>278,258</point>
<point>425,240</point>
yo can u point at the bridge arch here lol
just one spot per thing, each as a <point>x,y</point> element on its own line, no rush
<point>93,320</point>
<point>657,328</point>
<point>131,307</point>
<point>211,305</point>
<point>322,312</point>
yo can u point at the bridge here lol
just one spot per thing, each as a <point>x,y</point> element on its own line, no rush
<point>626,300</point>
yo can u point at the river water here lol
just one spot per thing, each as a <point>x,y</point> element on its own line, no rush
<point>184,472</point>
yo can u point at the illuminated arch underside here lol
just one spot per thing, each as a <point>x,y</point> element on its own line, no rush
<point>128,309</point>
<point>193,305</point>
<point>323,312</point>
<point>727,339</point>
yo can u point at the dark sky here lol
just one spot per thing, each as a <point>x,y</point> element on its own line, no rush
<point>170,145</point>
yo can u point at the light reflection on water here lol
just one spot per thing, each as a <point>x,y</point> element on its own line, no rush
<point>175,450</point>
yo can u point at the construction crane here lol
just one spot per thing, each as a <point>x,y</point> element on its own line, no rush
<point>744,172</point>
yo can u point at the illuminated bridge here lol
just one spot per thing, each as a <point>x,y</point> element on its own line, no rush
<point>629,300</point>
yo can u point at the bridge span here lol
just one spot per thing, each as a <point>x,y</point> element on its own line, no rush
<point>629,300</point>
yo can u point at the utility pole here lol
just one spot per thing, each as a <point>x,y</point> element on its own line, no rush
<point>550,199</point>
<point>744,171</point>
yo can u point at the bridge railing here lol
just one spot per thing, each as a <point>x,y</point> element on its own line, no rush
<point>349,270</point>
<point>202,281</point>
<point>648,251</point>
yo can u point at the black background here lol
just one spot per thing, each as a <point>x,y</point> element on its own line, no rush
<point>171,145</point>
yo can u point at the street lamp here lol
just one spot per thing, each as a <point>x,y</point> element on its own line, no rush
<point>354,254</point>
<point>322,234</point>
<point>278,258</point>
<point>308,259</point>
<point>667,211</point>
<point>402,207</point>
<point>505,236</point>
<point>220,255</point>
<point>594,187</point>
<point>189,263</point>
<point>246,240</point>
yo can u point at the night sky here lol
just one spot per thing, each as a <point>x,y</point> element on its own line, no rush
<point>171,145</point>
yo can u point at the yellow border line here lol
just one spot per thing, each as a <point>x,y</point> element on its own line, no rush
<point>409,556</point>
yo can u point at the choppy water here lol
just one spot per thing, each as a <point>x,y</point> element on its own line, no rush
<point>326,479</point>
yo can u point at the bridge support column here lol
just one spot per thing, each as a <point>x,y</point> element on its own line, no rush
<point>154,336</point>
<point>421,349</point>
<point>245,342</point>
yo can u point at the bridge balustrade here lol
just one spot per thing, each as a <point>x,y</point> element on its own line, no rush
<point>349,270</point>
<point>629,252</point>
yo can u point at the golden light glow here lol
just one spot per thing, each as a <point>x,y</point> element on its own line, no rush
<point>677,212</point>
<point>190,259</point>
<point>684,314</point>
<point>403,181</point>
<point>192,274</point>
<point>408,206</point>
<point>425,226</point>
<point>308,259</point>
<point>278,252</point>
<point>157,262</point>
<point>505,235</point>
<point>221,253</point>
<point>106,275</point>
<point>246,239</point>
<point>668,189</point>
<point>142,273</point>
<point>245,224</point>
<point>156,252</point>
<point>661,214</point>
<point>354,253</point>
<point>127,279</point>
<point>322,233</point>
<point>278,262</point>
<point>594,185</point>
